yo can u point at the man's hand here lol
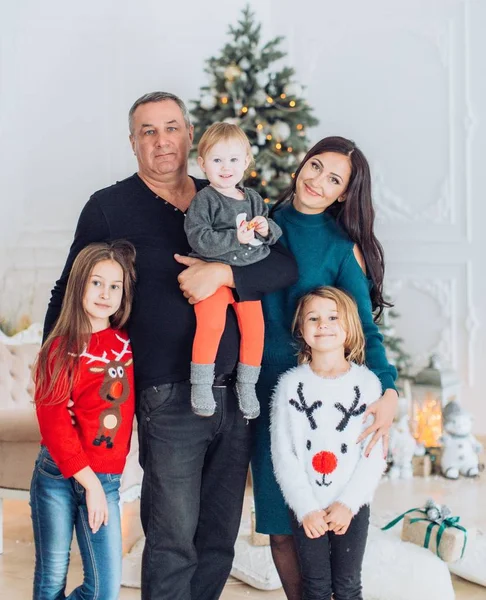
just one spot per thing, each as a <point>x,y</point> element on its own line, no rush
<point>260,224</point>
<point>202,279</point>
<point>244,233</point>
<point>383,411</point>
<point>315,524</point>
<point>97,506</point>
<point>338,517</point>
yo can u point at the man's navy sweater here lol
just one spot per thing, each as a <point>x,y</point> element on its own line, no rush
<point>162,322</point>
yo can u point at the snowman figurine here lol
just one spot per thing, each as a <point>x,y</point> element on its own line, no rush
<point>402,449</point>
<point>460,448</point>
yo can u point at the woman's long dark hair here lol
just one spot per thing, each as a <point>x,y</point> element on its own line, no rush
<point>356,214</point>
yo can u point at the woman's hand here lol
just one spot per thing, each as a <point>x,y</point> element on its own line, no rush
<point>202,279</point>
<point>315,524</point>
<point>383,411</point>
<point>338,518</point>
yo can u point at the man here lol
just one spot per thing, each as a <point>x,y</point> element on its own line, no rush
<point>194,468</point>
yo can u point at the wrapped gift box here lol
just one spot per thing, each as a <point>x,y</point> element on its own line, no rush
<point>422,465</point>
<point>453,540</point>
<point>435,454</point>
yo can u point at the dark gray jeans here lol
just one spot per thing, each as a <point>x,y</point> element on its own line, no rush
<point>195,471</point>
<point>331,564</point>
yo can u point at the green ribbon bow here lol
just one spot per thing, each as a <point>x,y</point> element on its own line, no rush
<point>443,525</point>
<point>398,519</point>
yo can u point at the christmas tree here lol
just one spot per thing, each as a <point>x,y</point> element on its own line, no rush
<point>393,343</point>
<point>266,103</point>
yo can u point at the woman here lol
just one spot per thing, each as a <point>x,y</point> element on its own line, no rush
<point>326,216</point>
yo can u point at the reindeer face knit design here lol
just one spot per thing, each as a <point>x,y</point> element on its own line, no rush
<point>103,407</point>
<point>315,423</point>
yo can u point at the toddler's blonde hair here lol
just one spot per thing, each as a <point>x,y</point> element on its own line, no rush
<point>223,132</point>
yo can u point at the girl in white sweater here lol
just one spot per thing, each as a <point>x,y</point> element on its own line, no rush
<point>326,478</point>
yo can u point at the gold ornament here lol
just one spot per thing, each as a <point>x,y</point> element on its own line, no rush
<point>232,72</point>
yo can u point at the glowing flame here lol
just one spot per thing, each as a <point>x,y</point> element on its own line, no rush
<point>427,420</point>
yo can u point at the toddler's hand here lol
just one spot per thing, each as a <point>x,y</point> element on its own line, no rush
<point>260,225</point>
<point>315,524</point>
<point>97,507</point>
<point>244,234</point>
<point>338,517</point>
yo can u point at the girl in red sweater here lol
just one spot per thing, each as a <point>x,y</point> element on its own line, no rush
<point>86,359</point>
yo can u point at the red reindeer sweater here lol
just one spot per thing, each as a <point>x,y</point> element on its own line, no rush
<point>104,404</point>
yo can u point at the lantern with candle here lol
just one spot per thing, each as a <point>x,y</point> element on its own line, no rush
<point>434,387</point>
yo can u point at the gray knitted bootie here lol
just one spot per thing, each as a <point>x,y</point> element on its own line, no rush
<point>202,399</point>
<point>246,378</point>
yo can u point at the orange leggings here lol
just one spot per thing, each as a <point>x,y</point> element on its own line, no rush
<point>211,320</point>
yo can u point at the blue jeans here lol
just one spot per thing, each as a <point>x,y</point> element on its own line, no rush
<point>58,507</point>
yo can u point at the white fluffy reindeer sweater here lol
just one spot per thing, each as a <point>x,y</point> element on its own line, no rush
<point>315,423</point>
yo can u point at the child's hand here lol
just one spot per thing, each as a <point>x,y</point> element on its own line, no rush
<point>315,524</point>
<point>97,506</point>
<point>244,234</point>
<point>338,517</point>
<point>70,405</point>
<point>260,224</point>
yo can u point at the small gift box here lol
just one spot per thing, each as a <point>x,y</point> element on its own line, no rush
<point>435,528</point>
<point>435,454</point>
<point>422,465</point>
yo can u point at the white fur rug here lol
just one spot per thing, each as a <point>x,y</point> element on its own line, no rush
<point>396,570</point>
<point>392,569</point>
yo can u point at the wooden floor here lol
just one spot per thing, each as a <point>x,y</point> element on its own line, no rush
<point>16,563</point>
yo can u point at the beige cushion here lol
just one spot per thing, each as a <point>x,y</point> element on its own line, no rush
<point>17,415</point>
<point>17,463</point>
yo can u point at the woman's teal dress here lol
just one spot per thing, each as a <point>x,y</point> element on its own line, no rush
<point>324,253</point>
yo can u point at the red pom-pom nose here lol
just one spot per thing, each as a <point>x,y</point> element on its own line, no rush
<point>324,462</point>
<point>116,389</point>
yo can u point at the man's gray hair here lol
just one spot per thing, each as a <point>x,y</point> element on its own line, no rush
<point>158,97</point>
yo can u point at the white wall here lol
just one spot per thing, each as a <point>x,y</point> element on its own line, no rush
<point>405,79</point>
